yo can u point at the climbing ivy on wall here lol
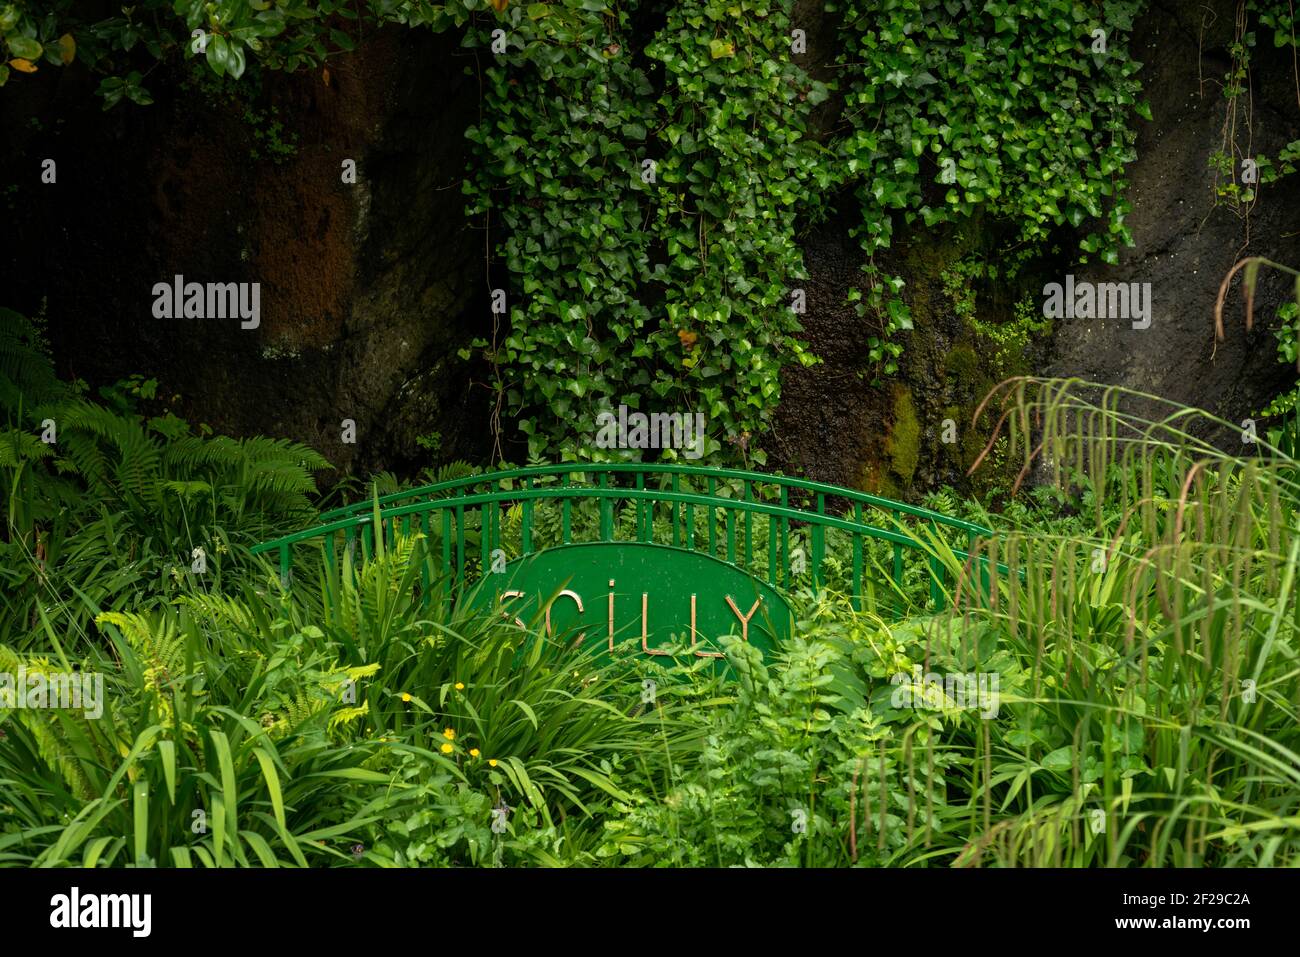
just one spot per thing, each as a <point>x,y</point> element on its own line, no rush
<point>557,178</point>
<point>1239,169</point>
<point>1023,109</point>
<point>1241,172</point>
<point>643,170</point>
<point>735,170</point>
<point>651,238</point>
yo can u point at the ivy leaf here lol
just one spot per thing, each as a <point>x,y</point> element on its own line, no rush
<point>24,48</point>
<point>218,55</point>
<point>235,59</point>
<point>720,49</point>
<point>135,92</point>
<point>111,89</point>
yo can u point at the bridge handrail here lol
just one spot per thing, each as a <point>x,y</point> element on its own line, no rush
<point>574,491</point>
<point>455,506</point>
<point>461,502</point>
<point>820,488</point>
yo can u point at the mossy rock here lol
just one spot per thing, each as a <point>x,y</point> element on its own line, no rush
<point>903,444</point>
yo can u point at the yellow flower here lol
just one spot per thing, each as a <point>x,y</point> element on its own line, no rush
<point>473,752</point>
<point>492,761</point>
<point>405,696</point>
<point>447,749</point>
<point>460,686</point>
<point>449,734</point>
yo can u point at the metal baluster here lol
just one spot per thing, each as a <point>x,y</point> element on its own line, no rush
<point>675,507</point>
<point>857,559</point>
<point>818,545</point>
<point>566,515</point>
<point>606,511</point>
<point>528,519</point>
<point>460,546</point>
<point>713,538</point>
<point>772,552</point>
<point>785,536</point>
<point>749,528</point>
<point>936,571</point>
<point>644,513</point>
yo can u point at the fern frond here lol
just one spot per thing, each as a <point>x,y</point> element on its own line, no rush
<point>160,647</point>
<point>44,728</point>
<point>139,462</point>
<point>17,446</point>
<point>26,373</point>
<point>221,611</point>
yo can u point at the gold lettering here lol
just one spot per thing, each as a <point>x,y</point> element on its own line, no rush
<point>744,619</point>
<point>611,614</point>
<point>506,615</point>
<point>577,600</point>
<point>701,654</point>
<point>645,600</point>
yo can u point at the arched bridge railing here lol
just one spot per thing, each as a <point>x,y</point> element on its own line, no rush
<point>783,530</point>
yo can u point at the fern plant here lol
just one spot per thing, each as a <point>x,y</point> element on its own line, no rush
<point>99,505</point>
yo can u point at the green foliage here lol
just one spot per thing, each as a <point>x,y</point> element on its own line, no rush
<point>269,135</point>
<point>677,291</point>
<point>778,772</point>
<point>101,503</point>
<point>1157,622</point>
<point>285,35</point>
<point>1284,433</point>
<point>352,724</point>
<point>666,287</point>
<point>963,105</point>
<point>1143,638</point>
<point>1009,340</point>
<point>1229,159</point>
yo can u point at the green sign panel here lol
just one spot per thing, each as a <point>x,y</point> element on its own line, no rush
<point>638,596</point>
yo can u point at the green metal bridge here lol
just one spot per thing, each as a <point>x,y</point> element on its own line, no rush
<point>785,532</point>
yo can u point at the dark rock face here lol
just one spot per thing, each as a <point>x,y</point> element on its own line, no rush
<point>1186,243</point>
<point>834,425</point>
<point>367,289</point>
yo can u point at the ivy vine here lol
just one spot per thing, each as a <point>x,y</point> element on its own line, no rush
<point>652,237</point>
<point>1023,109</point>
<point>642,184</point>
